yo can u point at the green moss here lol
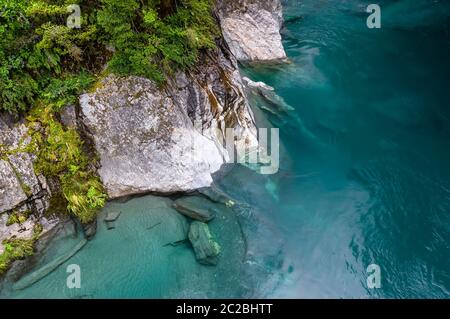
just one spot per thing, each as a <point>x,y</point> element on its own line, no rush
<point>37,230</point>
<point>59,154</point>
<point>17,217</point>
<point>12,219</point>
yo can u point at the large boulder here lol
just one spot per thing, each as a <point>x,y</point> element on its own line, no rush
<point>168,140</point>
<point>145,141</point>
<point>252,28</point>
<point>205,248</point>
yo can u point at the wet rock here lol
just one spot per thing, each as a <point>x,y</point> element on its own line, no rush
<point>205,248</point>
<point>173,228</point>
<point>112,216</point>
<point>216,195</point>
<point>195,207</point>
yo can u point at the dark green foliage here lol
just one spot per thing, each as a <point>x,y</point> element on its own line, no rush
<point>151,43</point>
<point>36,47</point>
<point>39,53</point>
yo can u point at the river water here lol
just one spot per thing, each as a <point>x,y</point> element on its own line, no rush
<point>364,176</point>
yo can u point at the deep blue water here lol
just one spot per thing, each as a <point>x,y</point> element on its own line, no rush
<point>364,178</point>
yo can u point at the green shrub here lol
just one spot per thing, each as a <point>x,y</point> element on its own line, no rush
<point>152,44</point>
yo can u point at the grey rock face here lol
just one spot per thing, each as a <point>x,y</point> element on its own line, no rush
<point>17,178</point>
<point>20,189</point>
<point>205,248</point>
<point>145,141</point>
<point>168,140</point>
<point>11,193</point>
<point>252,28</point>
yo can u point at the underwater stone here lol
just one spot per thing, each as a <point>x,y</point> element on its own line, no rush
<point>197,208</point>
<point>205,248</point>
<point>90,229</point>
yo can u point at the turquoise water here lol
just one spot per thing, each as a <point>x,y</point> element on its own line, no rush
<point>141,258</point>
<point>364,178</point>
<point>371,182</point>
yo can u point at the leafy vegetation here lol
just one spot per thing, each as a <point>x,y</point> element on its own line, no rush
<point>152,38</point>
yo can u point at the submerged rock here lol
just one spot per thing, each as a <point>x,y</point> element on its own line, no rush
<point>265,97</point>
<point>173,228</point>
<point>252,28</point>
<point>112,216</point>
<point>216,195</point>
<point>195,207</point>
<point>110,219</point>
<point>90,229</point>
<point>205,248</point>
